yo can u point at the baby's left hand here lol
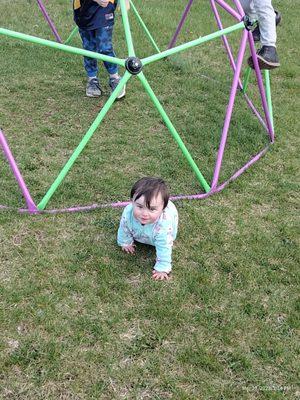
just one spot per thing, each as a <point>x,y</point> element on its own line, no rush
<point>160,276</point>
<point>102,3</point>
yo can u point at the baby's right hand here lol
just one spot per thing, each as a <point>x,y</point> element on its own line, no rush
<point>130,248</point>
<point>102,3</point>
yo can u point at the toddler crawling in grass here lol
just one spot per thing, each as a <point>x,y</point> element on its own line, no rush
<point>150,218</point>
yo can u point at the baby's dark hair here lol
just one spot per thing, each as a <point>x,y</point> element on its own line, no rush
<point>150,188</point>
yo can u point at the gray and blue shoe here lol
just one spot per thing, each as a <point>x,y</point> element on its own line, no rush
<point>93,88</point>
<point>113,83</point>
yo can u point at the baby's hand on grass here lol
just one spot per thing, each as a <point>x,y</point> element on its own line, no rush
<point>130,248</point>
<point>102,3</point>
<point>160,276</point>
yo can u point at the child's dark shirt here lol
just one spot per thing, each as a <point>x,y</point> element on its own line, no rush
<point>89,15</point>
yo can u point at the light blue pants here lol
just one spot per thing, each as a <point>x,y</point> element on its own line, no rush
<point>263,12</point>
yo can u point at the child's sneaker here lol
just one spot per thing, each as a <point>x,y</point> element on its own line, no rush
<point>93,88</point>
<point>256,31</point>
<point>113,83</point>
<point>267,58</point>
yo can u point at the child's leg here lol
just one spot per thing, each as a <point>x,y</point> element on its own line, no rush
<point>267,22</point>
<point>89,43</point>
<point>248,8</point>
<point>104,46</point>
<point>267,55</point>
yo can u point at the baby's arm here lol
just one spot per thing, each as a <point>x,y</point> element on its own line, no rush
<point>125,238</point>
<point>163,266</point>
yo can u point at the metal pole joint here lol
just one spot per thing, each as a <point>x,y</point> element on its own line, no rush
<point>133,65</point>
<point>249,23</point>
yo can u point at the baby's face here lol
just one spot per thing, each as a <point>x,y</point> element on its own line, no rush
<point>147,215</point>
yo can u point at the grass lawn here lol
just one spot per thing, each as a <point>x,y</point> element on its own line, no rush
<point>81,320</point>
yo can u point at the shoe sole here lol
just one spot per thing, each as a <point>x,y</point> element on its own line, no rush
<point>122,94</point>
<point>91,95</point>
<point>120,97</point>
<point>263,64</point>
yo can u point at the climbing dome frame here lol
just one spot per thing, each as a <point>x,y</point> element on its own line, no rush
<point>135,68</point>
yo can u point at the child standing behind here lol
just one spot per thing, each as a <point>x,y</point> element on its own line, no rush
<point>150,218</point>
<point>95,19</point>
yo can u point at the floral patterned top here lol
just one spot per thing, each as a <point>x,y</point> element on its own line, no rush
<point>160,234</point>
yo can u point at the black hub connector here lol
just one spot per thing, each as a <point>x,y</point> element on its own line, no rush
<point>133,65</point>
<point>249,24</point>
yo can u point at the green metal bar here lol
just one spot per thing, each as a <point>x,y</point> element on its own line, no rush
<point>193,43</point>
<point>144,26</point>
<point>60,46</point>
<point>173,132</point>
<point>83,142</point>
<point>128,37</point>
<point>268,94</point>
<point>72,34</point>
<point>246,79</point>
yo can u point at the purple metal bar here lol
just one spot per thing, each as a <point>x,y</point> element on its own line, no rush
<point>261,87</point>
<point>13,165</point>
<point>229,9</point>
<point>48,19</point>
<point>225,41</point>
<point>239,7</point>
<point>229,109</point>
<point>232,62</point>
<point>244,168</point>
<point>120,204</point>
<point>255,112</point>
<point>181,22</point>
<point>224,38</point>
<point>219,188</point>
<point>92,207</point>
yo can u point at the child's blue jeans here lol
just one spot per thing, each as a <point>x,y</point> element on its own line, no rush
<point>100,41</point>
